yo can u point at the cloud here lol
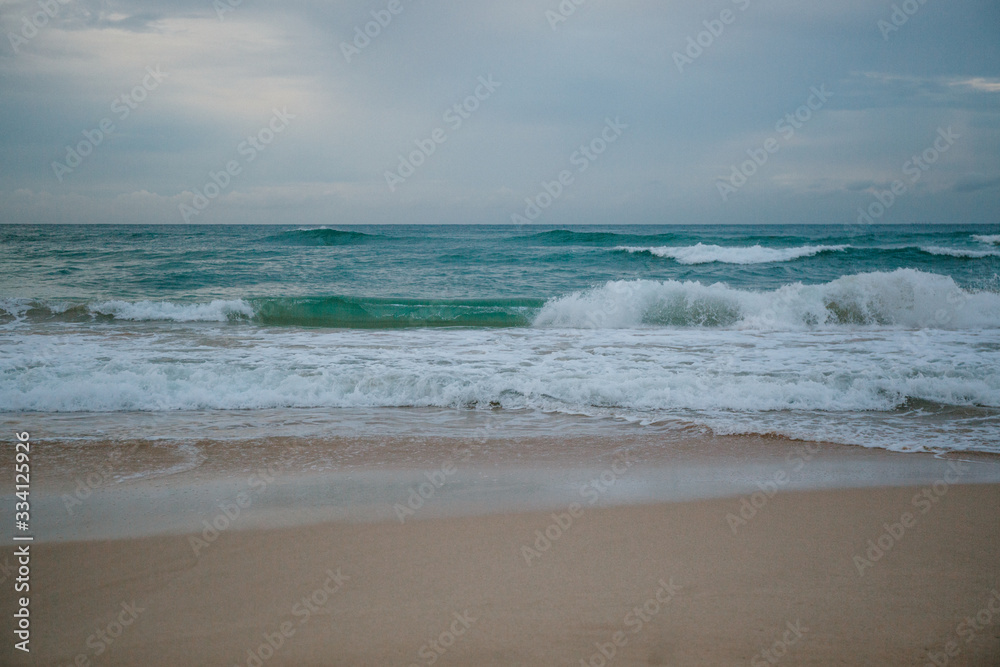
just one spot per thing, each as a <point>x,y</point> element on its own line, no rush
<point>975,183</point>
<point>980,84</point>
<point>229,70</point>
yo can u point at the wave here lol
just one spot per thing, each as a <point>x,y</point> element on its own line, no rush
<point>369,313</point>
<point>322,236</point>
<point>809,384</point>
<point>705,254</point>
<point>145,311</point>
<point>332,312</point>
<point>990,239</point>
<point>959,252</point>
<point>568,237</point>
<point>904,298</point>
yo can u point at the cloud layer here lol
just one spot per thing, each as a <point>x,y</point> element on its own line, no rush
<point>368,90</point>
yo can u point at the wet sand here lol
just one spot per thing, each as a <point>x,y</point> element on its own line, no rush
<point>872,575</point>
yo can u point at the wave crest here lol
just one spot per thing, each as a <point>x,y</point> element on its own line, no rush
<point>904,298</point>
<point>705,254</point>
<point>960,253</point>
<point>322,236</point>
<point>320,311</point>
<point>569,237</point>
<point>145,311</point>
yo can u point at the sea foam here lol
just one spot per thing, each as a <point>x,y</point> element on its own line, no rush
<point>147,311</point>
<point>757,254</point>
<point>962,253</point>
<point>807,381</point>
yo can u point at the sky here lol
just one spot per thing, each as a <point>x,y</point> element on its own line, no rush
<point>544,111</point>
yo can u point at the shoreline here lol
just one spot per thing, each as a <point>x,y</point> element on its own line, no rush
<point>141,489</point>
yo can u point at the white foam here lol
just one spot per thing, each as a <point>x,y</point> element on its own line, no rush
<point>15,308</point>
<point>992,239</point>
<point>904,298</point>
<point>215,311</point>
<point>705,254</point>
<point>959,252</point>
<point>832,384</point>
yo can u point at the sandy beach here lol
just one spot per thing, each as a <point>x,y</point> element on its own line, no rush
<point>558,334</point>
<point>900,575</point>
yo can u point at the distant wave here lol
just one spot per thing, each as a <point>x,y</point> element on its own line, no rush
<point>565,236</point>
<point>991,239</point>
<point>705,254</point>
<point>322,236</point>
<point>903,298</point>
<point>959,252</point>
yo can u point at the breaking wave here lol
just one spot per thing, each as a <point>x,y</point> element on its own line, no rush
<point>331,312</point>
<point>959,252</point>
<point>705,254</point>
<point>903,298</point>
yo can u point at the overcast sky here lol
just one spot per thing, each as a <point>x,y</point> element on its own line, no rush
<point>179,88</point>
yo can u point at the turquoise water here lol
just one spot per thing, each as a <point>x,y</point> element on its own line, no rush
<point>882,336</point>
<point>420,276</point>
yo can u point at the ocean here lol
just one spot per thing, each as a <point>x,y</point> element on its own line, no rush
<point>885,336</point>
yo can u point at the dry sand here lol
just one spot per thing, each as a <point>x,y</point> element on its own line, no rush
<point>787,580</point>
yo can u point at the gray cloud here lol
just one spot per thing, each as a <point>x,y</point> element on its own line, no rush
<point>227,71</point>
<point>975,183</point>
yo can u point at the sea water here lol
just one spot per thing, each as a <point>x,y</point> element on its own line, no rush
<point>879,336</point>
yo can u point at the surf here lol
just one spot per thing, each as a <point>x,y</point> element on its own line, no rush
<point>706,254</point>
<point>903,298</point>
